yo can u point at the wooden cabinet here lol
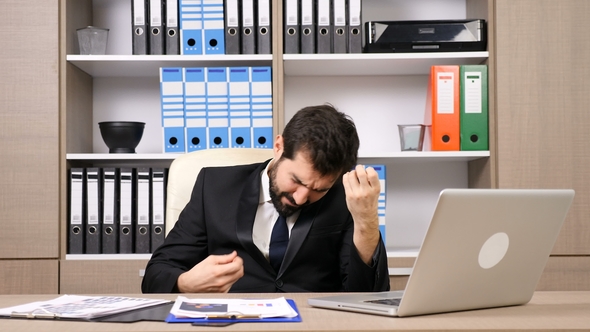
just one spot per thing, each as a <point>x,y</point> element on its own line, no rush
<point>29,143</point>
<point>542,117</point>
<point>29,276</point>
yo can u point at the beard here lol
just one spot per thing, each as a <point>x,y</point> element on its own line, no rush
<point>276,195</point>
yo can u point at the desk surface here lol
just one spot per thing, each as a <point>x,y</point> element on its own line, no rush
<point>555,311</point>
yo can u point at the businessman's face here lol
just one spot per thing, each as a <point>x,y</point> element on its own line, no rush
<point>295,184</point>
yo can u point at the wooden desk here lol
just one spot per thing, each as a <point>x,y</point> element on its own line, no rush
<point>555,311</point>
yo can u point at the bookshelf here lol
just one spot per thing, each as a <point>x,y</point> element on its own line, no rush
<point>125,87</point>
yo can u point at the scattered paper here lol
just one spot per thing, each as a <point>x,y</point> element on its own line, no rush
<point>81,307</point>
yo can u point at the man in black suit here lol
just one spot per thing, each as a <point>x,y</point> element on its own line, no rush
<point>227,238</point>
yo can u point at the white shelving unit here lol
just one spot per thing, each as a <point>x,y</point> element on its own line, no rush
<point>378,91</point>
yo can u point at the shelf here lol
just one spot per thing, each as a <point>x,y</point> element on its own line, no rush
<point>148,65</point>
<point>402,252</point>
<point>123,159</point>
<point>427,156</point>
<point>406,156</point>
<point>362,64</point>
<point>109,257</point>
<point>400,271</point>
<point>371,64</point>
<point>122,156</point>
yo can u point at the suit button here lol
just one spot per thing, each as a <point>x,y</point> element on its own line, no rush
<point>279,283</point>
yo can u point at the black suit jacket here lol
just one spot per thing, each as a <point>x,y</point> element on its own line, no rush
<point>219,218</point>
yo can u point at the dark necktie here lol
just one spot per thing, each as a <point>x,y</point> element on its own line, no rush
<point>279,239</point>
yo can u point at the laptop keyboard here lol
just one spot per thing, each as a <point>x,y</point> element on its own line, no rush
<point>392,302</point>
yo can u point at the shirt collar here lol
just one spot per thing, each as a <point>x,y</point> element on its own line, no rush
<point>265,185</point>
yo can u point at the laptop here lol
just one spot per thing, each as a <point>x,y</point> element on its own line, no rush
<point>484,248</point>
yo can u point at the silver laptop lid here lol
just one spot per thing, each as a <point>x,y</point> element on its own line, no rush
<point>484,248</point>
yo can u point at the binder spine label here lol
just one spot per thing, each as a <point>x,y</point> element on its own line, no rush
<point>445,93</point>
<point>306,12</point>
<point>109,198</point>
<point>263,13</point>
<point>355,12</point>
<point>143,196</point>
<point>139,12</point>
<point>172,13</point>
<point>232,13</point>
<point>248,13</point>
<point>472,92</point>
<point>291,10</point>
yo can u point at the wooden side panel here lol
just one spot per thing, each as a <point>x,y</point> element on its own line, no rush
<point>566,273</point>
<point>542,100</point>
<point>101,276</point>
<point>29,129</point>
<point>29,276</point>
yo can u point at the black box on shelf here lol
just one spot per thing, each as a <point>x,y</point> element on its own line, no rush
<point>425,36</point>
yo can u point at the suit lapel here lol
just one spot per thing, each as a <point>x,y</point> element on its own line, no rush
<point>247,213</point>
<point>299,233</point>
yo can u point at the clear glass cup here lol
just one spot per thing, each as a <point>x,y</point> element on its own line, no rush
<point>411,136</point>
<point>92,40</point>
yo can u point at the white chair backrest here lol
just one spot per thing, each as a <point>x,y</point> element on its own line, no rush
<point>185,168</point>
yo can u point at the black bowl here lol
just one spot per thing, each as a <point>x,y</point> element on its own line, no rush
<point>121,136</point>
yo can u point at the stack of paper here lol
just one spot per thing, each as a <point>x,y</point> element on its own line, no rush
<point>79,307</point>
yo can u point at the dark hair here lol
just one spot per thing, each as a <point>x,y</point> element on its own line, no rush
<point>327,136</point>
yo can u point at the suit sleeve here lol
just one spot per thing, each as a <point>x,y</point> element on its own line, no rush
<point>184,247</point>
<point>357,275</point>
<point>368,278</point>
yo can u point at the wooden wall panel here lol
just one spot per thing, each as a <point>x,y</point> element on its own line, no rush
<point>29,276</point>
<point>401,267</point>
<point>542,94</point>
<point>29,129</point>
<point>398,282</point>
<point>101,276</point>
<point>566,273</point>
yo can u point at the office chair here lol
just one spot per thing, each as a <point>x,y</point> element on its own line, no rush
<point>185,168</point>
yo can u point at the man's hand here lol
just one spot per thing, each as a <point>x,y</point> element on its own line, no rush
<point>362,188</point>
<point>215,274</point>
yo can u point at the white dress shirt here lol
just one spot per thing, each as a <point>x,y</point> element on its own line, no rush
<point>266,216</point>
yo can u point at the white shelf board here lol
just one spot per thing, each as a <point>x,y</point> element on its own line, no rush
<point>400,271</point>
<point>405,156</point>
<point>427,156</point>
<point>121,156</point>
<point>148,65</point>
<point>123,159</point>
<point>402,252</point>
<point>371,64</point>
<point>110,257</point>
